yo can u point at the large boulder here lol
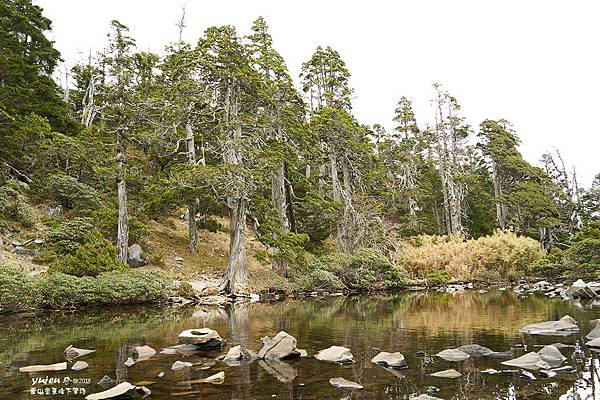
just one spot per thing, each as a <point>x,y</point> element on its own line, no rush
<point>202,338</point>
<point>337,354</point>
<point>281,347</point>
<point>552,356</point>
<point>391,360</point>
<point>581,290</point>
<point>563,327</point>
<point>453,355</point>
<point>531,361</point>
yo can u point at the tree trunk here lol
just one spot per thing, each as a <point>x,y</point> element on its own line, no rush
<point>123,221</point>
<point>236,276</point>
<point>192,209</point>
<point>278,192</point>
<point>501,211</point>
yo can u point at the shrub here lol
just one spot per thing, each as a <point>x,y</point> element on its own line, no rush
<point>438,277</point>
<point>321,279</point>
<point>13,205</point>
<point>71,193</point>
<point>504,252</point>
<point>95,256</point>
<point>69,235</point>
<point>582,259</point>
<point>366,269</point>
<point>551,265</point>
<point>106,220</point>
<point>17,292</point>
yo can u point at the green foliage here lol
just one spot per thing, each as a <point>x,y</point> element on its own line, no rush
<point>94,257</point>
<point>438,277</point>
<point>106,219</point>
<point>582,259</point>
<point>13,205</point>
<point>71,193</point>
<point>588,231</point>
<point>69,235</point>
<point>366,269</point>
<point>551,265</point>
<point>17,290</point>
<point>320,279</point>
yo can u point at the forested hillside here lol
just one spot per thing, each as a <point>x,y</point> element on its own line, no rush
<point>217,133</point>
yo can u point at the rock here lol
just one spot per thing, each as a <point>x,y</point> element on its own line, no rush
<point>425,397</point>
<point>118,390</point>
<point>563,327</point>
<point>177,365</point>
<point>79,365</point>
<point>391,360</point>
<point>453,355</point>
<point>282,371</point>
<point>144,391</point>
<point>345,384</point>
<point>530,360</point>
<point>500,354</point>
<point>337,354</point>
<point>106,381</point>
<point>527,375</point>
<point>16,243</point>
<point>581,290</point>
<point>215,379</point>
<point>254,298</point>
<point>61,366</point>
<point>552,356</point>
<point>432,389</point>
<point>567,369</point>
<point>39,241</point>
<point>135,258</point>
<point>594,333</point>
<point>593,343</point>
<point>449,373</point>
<point>475,350</point>
<point>51,211</point>
<point>161,374</point>
<point>25,252</point>
<point>202,338</point>
<point>143,353</point>
<point>281,347</point>
<point>303,353</point>
<point>129,362</point>
<point>178,259</point>
<point>234,354</point>
<point>73,352</point>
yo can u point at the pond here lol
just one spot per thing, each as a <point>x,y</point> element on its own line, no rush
<point>409,322</point>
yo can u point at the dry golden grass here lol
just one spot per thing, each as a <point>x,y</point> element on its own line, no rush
<point>503,253</point>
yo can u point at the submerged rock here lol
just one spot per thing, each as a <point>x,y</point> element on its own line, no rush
<point>79,365</point>
<point>337,354</point>
<point>391,360</point>
<point>61,366</point>
<point>453,355</point>
<point>177,365</point>
<point>118,390</point>
<point>73,352</point>
<point>345,384</point>
<point>202,338</point>
<point>449,373</point>
<point>563,327</point>
<point>282,371</point>
<point>475,350</point>
<point>530,360</point>
<point>281,347</point>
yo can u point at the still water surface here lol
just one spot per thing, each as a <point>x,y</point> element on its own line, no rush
<point>409,323</point>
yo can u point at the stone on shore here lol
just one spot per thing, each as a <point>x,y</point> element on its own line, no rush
<point>453,355</point>
<point>449,373</point>
<point>61,366</point>
<point>337,354</point>
<point>118,390</point>
<point>390,360</point>
<point>345,384</point>
<point>281,347</point>
<point>563,327</point>
<point>202,338</point>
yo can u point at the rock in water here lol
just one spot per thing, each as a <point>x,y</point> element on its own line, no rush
<point>180,365</point>
<point>552,356</point>
<point>118,390</point>
<point>531,361</point>
<point>106,381</point>
<point>79,365</point>
<point>345,384</point>
<point>453,355</point>
<point>391,360</point>
<point>426,397</point>
<point>475,350</point>
<point>563,327</point>
<point>204,338</point>
<point>143,353</point>
<point>593,343</point>
<point>527,375</point>
<point>41,368</point>
<point>234,354</point>
<point>449,373</point>
<point>161,374</point>
<point>338,354</point>
<point>595,333</point>
<point>73,352</point>
<point>144,391</point>
<point>129,362</point>
<point>281,347</point>
<point>215,379</point>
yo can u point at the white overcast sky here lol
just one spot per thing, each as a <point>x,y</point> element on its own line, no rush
<point>535,62</point>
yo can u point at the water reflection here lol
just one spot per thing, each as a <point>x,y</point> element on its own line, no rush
<point>416,324</point>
